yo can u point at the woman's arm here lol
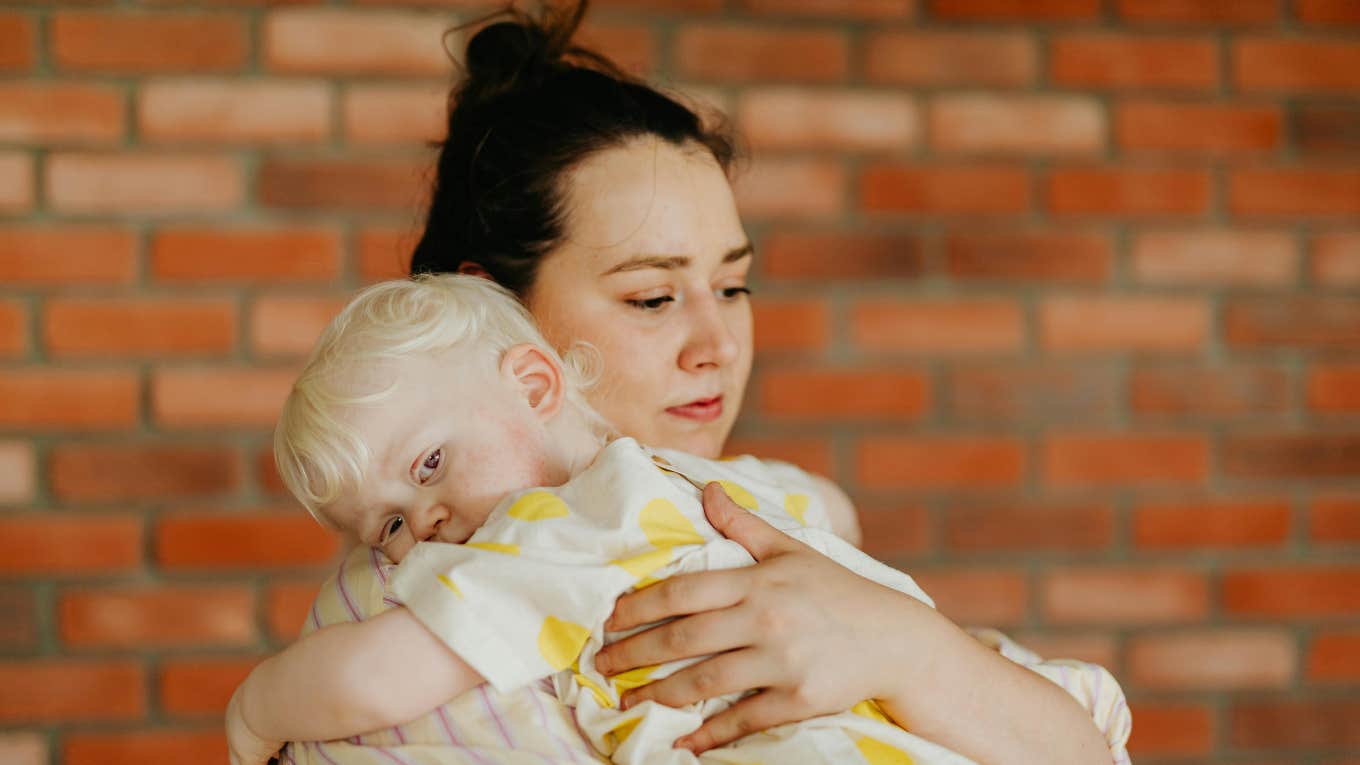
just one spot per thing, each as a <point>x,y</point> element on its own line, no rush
<point>817,639</point>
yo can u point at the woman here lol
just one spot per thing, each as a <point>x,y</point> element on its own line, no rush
<point>606,207</point>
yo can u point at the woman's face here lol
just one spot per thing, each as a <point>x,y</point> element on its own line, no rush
<point>652,272</point>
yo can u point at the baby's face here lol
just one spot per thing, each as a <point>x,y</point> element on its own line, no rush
<point>446,445</point>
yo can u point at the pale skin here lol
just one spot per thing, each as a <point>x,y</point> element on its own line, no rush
<point>843,638</point>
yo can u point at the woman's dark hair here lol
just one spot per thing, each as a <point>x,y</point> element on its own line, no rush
<point>530,107</point>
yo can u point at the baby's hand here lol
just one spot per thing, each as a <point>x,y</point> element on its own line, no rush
<point>243,746</point>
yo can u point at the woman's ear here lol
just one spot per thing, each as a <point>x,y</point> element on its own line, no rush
<point>469,268</point>
<point>537,376</point>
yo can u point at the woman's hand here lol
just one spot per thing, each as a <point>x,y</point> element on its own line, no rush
<point>243,746</point>
<point>811,636</point>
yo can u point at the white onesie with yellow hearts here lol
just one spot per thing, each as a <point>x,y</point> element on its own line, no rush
<point>527,596</point>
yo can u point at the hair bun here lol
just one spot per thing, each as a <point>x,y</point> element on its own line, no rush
<point>500,53</point>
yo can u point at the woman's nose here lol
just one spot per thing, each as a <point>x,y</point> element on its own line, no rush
<point>711,341</point>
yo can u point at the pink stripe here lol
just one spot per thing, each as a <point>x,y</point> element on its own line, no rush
<point>377,565</point>
<point>321,750</point>
<point>491,710</point>
<point>314,617</point>
<point>344,596</point>
<point>543,720</point>
<point>391,755</point>
<point>443,715</point>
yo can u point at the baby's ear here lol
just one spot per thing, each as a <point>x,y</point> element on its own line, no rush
<point>537,376</point>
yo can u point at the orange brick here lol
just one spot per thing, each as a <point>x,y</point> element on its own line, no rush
<point>201,687</point>
<point>1324,131</point>
<point>1129,192</point>
<point>385,253</point>
<point>1290,193</point>
<point>1236,12</point>
<point>24,748</point>
<point>351,184</point>
<point>267,474</point>
<point>178,745</point>
<point>13,329</point>
<point>180,615</point>
<point>1044,393</point>
<point>1096,648</point>
<point>107,41</point>
<point>791,325</point>
<point>242,540</point>
<point>1131,324</point>
<point>786,118</point>
<point>288,326</point>
<point>1210,393</point>
<point>1212,659</point>
<point>269,255</point>
<point>1284,724</point>
<point>892,531</point>
<point>116,472</point>
<point>1305,322</point>
<point>862,393</point>
<point>1028,527</point>
<point>50,399</point>
<point>1260,456</point>
<point>731,53</point>
<point>1115,459</point>
<point>152,183</point>
<point>1005,10</point>
<point>18,472</point>
<point>1017,125</point>
<point>939,462</point>
<point>1227,257</point>
<point>72,543</point>
<point>631,46</point>
<point>1335,259</point>
<point>394,114</point>
<point>945,189</point>
<point>1211,524</point>
<point>938,326</point>
<point>139,327</point>
<point>1102,60</point>
<point>695,7</point>
<point>355,42</point>
<point>1335,520</point>
<point>1334,656</point>
<point>811,454</point>
<point>1030,256</point>
<point>1292,592</point>
<point>1172,729</point>
<point>837,255</point>
<point>60,113</point>
<point>221,398</point>
<point>16,181</point>
<point>18,38</point>
<point>1125,595</point>
<point>63,690</point>
<point>1334,387</point>
<point>1267,64</point>
<point>993,597</point>
<point>225,111</point>
<point>984,59</point>
<point>287,606</point>
<point>1327,12</point>
<point>791,187</point>
<point>51,255</point>
<point>839,9</point>
<point>1163,127</point>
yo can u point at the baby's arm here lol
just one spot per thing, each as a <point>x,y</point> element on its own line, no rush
<point>348,679</point>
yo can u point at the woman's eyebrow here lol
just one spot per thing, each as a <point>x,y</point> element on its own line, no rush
<point>673,262</point>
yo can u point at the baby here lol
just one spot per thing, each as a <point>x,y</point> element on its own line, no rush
<point>433,411</point>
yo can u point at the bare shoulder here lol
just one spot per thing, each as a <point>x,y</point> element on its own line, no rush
<point>840,511</point>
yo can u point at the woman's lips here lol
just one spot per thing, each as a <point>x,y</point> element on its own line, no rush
<point>703,410</point>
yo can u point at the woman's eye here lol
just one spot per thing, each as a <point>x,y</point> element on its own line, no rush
<point>734,293</point>
<point>429,465</point>
<point>651,304</point>
<point>391,528</point>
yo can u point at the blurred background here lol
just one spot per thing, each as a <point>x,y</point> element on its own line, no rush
<point>1066,293</point>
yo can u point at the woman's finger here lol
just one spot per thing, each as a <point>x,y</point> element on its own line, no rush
<point>747,529</point>
<point>754,713</point>
<point>697,635</point>
<point>679,595</point>
<point>731,672</point>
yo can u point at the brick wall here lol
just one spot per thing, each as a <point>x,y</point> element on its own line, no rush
<point>1065,292</point>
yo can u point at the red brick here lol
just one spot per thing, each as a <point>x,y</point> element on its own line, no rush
<point>1317,322</point>
<point>1129,192</point>
<point>630,45</point>
<point>13,329</point>
<point>63,690</point>
<point>1130,324</point>
<point>1123,459</point>
<point>139,326</point>
<point>119,41</point>
<point>1210,12</point>
<point>198,687</point>
<point>51,399</point>
<point>18,471</point>
<point>1335,520</point>
<point>1327,11</point>
<point>136,183</point>
<point>1292,592</point>
<point>730,53</point>
<point>1211,524</point>
<point>1096,648</point>
<point>791,325</point>
<point>1018,126</point>
<point>984,59</point>
<point>60,113</point>
<point>890,531</point>
<point>813,454</point>
<point>945,189</point>
<point>136,748</point>
<point>18,620</point>
<point>1334,387</point>
<point>1163,127</point>
<point>355,42</point>
<point>1030,256</point>
<point>1335,259</point>
<point>823,256</point>
<point>1289,193</point>
<point>786,118</point>
<point>1212,659</point>
<point>1101,60</point>
<point>16,181</point>
<point>179,615</point>
<point>52,255</point>
<point>72,543</point>
<point>223,111</point>
<point>1216,257</point>
<point>365,185</point>
<point>966,326</point>
<point>1125,595</point>
<point>287,605</point>
<point>899,10</point>
<point>688,7</point>
<point>1006,10</point>
<point>394,114</point>
<point>1172,729</point>
<point>220,398</point>
<point>267,474</point>
<point>288,326</point>
<point>1210,392</point>
<point>798,188</point>
<point>939,462</point>
<point>237,540</point>
<point>991,597</point>
<point>1296,65</point>
<point>1290,455</point>
<point>18,49</point>
<point>1028,527</point>
<point>24,748</point>
<point>269,255</point>
<point>1291,724</point>
<point>115,472</point>
<point>1326,131</point>
<point>1031,393</point>
<point>1334,656</point>
<point>385,253</point>
<point>840,394</point>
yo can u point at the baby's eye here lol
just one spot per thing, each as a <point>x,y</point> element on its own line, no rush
<point>430,464</point>
<point>733,293</point>
<point>651,304</point>
<point>390,529</point>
